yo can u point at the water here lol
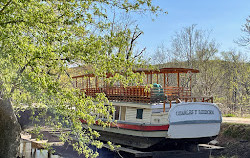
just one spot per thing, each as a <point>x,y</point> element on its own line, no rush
<point>29,150</point>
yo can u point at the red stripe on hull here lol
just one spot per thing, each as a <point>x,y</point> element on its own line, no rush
<point>140,127</point>
<point>143,127</point>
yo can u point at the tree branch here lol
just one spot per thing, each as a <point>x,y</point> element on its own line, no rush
<point>10,22</point>
<point>19,73</point>
<point>132,42</point>
<point>140,52</point>
<point>70,78</point>
<point>19,21</point>
<point>5,6</point>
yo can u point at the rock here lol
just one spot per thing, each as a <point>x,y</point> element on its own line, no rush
<point>214,142</point>
<point>9,130</point>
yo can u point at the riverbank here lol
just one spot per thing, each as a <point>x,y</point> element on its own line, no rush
<point>235,137</point>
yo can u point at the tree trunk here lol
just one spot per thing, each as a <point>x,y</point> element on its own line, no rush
<point>9,130</point>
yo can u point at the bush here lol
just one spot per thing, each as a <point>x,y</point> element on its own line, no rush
<point>239,131</point>
<point>229,115</point>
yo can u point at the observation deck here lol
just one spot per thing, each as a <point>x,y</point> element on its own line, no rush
<point>163,85</point>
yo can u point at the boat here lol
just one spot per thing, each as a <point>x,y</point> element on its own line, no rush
<point>165,114</point>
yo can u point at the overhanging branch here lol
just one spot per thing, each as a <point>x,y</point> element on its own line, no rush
<point>5,6</point>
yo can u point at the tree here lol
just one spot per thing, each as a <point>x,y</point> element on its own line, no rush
<point>193,48</point>
<point>236,81</point>
<point>39,40</point>
<point>244,40</point>
<point>161,55</point>
<point>192,44</point>
<point>183,44</point>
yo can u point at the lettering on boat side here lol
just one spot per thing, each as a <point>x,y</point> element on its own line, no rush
<point>195,112</point>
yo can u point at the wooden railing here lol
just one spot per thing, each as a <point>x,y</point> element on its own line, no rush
<point>141,94</point>
<point>128,94</point>
<point>177,92</point>
<point>197,99</point>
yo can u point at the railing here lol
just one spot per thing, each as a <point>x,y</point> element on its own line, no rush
<point>128,94</point>
<point>142,94</point>
<point>177,92</point>
<point>197,99</point>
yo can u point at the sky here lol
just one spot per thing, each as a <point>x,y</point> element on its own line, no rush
<point>224,18</point>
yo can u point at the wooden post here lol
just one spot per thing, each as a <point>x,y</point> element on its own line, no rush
<point>157,78</point>
<point>167,79</point>
<point>76,82</point>
<point>151,79</point>
<point>164,81</point>
<point>147,78</point>
<point>164,106</point>
<point>87,83</point>
<point>190,85</point>
<point>178,80</point>
<point>170,104</point>
<point>82,83</point>
<point>103,84</point>
<point>96,82</point>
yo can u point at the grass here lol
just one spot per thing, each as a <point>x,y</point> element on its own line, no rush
<point>229,115</point>
<point>239,131</point>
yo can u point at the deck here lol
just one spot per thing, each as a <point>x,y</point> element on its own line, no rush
<point>158,87</point>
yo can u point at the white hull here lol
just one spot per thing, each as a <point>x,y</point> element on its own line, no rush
<point>194,120</point>
<point>193,130</point>
<point>137,133</point>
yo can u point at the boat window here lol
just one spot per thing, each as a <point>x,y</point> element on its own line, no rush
<point>123,113</point>
<point>117,111</point>
<point>139,113</point>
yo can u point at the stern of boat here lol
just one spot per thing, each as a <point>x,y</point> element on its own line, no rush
<point>194,120</point>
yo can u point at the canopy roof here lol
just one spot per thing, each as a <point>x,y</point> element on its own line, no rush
<point>169,70</point>
<point>162,70</point>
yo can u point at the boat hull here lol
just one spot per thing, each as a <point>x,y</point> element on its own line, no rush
<point>132,134</point>
<point>145,142</point>
<point>145,139</point>
<point>194,122</point>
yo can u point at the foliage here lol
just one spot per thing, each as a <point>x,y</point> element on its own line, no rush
<point>235,81</point>
<point>40,40</point>
<point>239,131</point>
<point>229,115</point>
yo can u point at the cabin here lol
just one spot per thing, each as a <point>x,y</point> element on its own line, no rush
<point>145,103</point>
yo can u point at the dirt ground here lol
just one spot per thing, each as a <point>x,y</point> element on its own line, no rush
<point>236,120</point>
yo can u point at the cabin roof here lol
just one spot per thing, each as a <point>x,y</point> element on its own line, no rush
<point>169,70</point>
<point>162,70</point>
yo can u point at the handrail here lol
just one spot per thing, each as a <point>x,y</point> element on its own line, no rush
<point>141,94</point>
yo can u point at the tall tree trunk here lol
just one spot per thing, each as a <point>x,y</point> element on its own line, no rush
<point>9,130</point>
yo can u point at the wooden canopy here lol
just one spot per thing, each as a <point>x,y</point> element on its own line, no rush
<point>169,70</point>
<point>169,85</point>
<point>162,70</point>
